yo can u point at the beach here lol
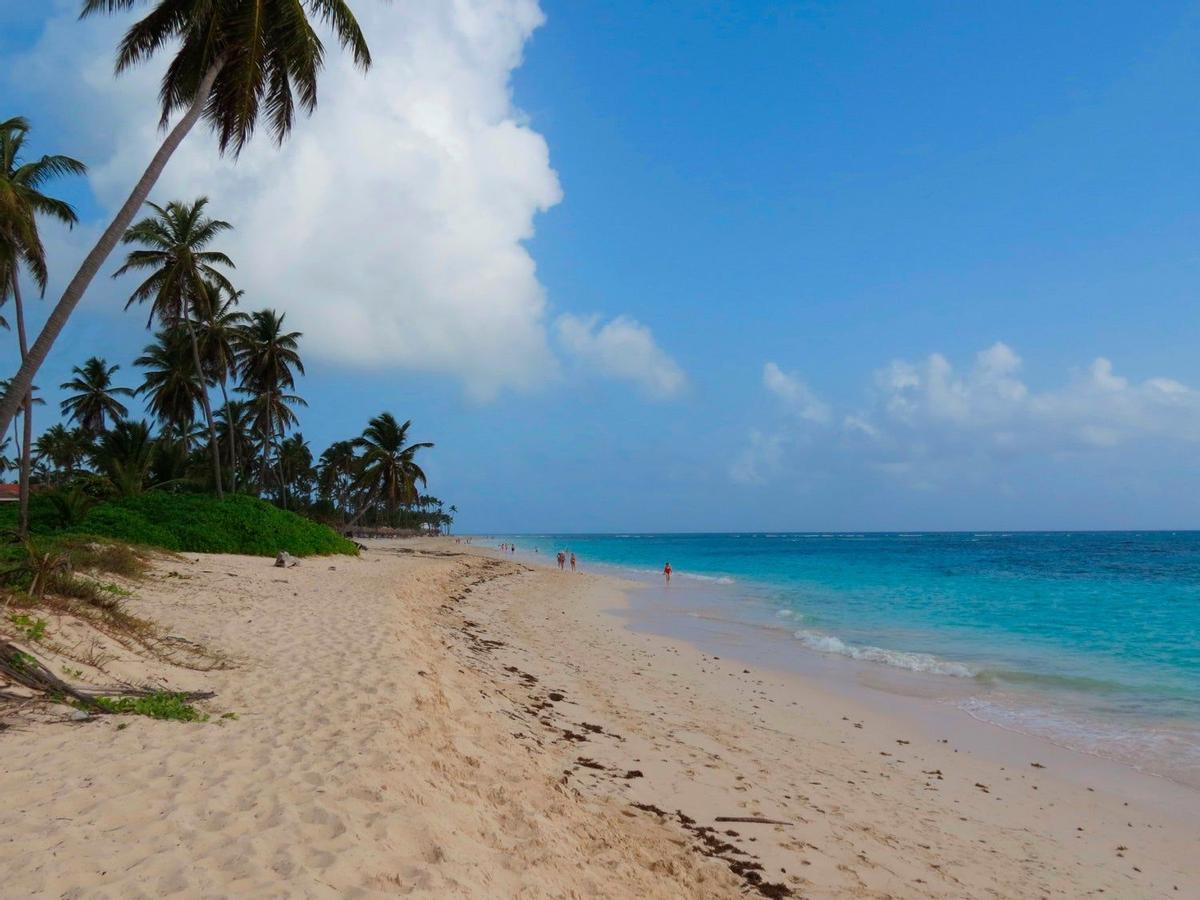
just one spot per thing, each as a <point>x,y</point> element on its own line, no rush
<point>431,719</point>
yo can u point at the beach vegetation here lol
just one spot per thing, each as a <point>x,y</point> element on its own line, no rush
<point>227,68</point>
<point>22,202</point>
<point>387,467</point>
<point>168,705</point>
<point>96,470</point>
<point>94,401</point>
<point>31,629</point>
<point>182,271</point>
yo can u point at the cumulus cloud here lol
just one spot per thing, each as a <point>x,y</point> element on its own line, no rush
<point>990,406</point>
<point>390,227</point>
<point>929,422</point>
<point>624,349</point>
<point>795,394</point>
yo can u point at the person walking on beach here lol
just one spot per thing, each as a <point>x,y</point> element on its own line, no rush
<point>572,562</point>
<point>562,558</point>
<point>667,572</point>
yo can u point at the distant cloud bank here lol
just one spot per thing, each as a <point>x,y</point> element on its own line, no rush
<point>924,418</point>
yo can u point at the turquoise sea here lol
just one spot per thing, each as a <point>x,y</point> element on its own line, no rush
<point>1088,639</point>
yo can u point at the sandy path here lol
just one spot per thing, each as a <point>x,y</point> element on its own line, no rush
<point>366,759</point>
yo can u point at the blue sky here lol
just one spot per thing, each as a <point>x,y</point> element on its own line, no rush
<point>714,266</point>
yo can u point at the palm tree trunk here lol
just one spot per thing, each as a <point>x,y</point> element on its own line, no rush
<point>23,381</point>
<point>370,501</point>
<point>214,445</point>
<point>233,464</point>
<point>27,423</point>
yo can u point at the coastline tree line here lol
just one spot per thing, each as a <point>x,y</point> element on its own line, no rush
<point>219,383</point>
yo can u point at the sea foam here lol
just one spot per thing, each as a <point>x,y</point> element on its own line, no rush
<point>913,662</point>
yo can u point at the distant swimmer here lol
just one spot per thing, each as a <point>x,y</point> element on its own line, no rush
<point>667,572</point>
<point>562,558</point>
<point>572,562</point>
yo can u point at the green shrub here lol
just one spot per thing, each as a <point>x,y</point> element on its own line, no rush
<point>159,705</point>
<point>201,524</point>
<point>33,629</point>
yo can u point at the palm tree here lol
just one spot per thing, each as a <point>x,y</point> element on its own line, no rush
<point>95,398</point>
<point>182,275</point>
<point>170,383</point>
<point>21,202</point>
<point>219,324</point>
<point>388,467</point>
<point>266,358</point>
<point>124,455</point>
<point>336,471</point>
<point>450,518</point>
<point>235,426</point>
<point>64,450</point>
<point>296,466</point>
<point>234,58</point>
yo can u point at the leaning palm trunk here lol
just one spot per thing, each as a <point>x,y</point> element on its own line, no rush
<point>362,510</point>
<point>233,463</point>
<point>214,445</point>
<point>22,383</point>
<point>26,463</point>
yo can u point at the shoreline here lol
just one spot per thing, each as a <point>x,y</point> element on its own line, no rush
<point>1052,783</point>
<point>710,618</point>
<point>441,720</point>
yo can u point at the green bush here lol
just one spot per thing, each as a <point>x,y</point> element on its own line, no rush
<point>158,705</point>
<point>201,524</point>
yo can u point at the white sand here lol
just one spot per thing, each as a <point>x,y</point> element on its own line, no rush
<point>398,733</point>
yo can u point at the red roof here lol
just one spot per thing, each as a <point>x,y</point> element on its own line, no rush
<point>10,491</point>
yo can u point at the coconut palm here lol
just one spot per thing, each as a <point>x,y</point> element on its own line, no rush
<point>94,402</point>
<point>21,202</point>
<point>234,59</point>
<point>268,358</point>
<point>235,427</point>
<point>336,472</point>
<point>124,455</point>
<point>23,460</point>
<point>388,468</point>
<point>170,383</point>
<point>218,324</point>
<point>296,466</point>
<point>63,450</point>
<point>182,274</point>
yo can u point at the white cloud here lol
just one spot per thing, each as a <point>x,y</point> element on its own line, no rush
<point>931,424</point>
<point>795,394</point>
<point>390,227</point>
<point>989,406</point>
<point>624,349</point>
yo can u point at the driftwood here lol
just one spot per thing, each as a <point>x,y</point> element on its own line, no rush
<point>751,820</point>
<point>25,669</point>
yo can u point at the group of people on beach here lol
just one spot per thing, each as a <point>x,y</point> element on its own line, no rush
<point>562,560</point>
<point>508,548</point>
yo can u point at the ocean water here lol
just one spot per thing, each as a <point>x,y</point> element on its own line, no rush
<point>1089,639</point>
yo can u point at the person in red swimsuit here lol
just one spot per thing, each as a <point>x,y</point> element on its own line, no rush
<point>667,572</point>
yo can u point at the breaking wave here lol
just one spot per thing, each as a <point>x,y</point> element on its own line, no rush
<point>913,662</point>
